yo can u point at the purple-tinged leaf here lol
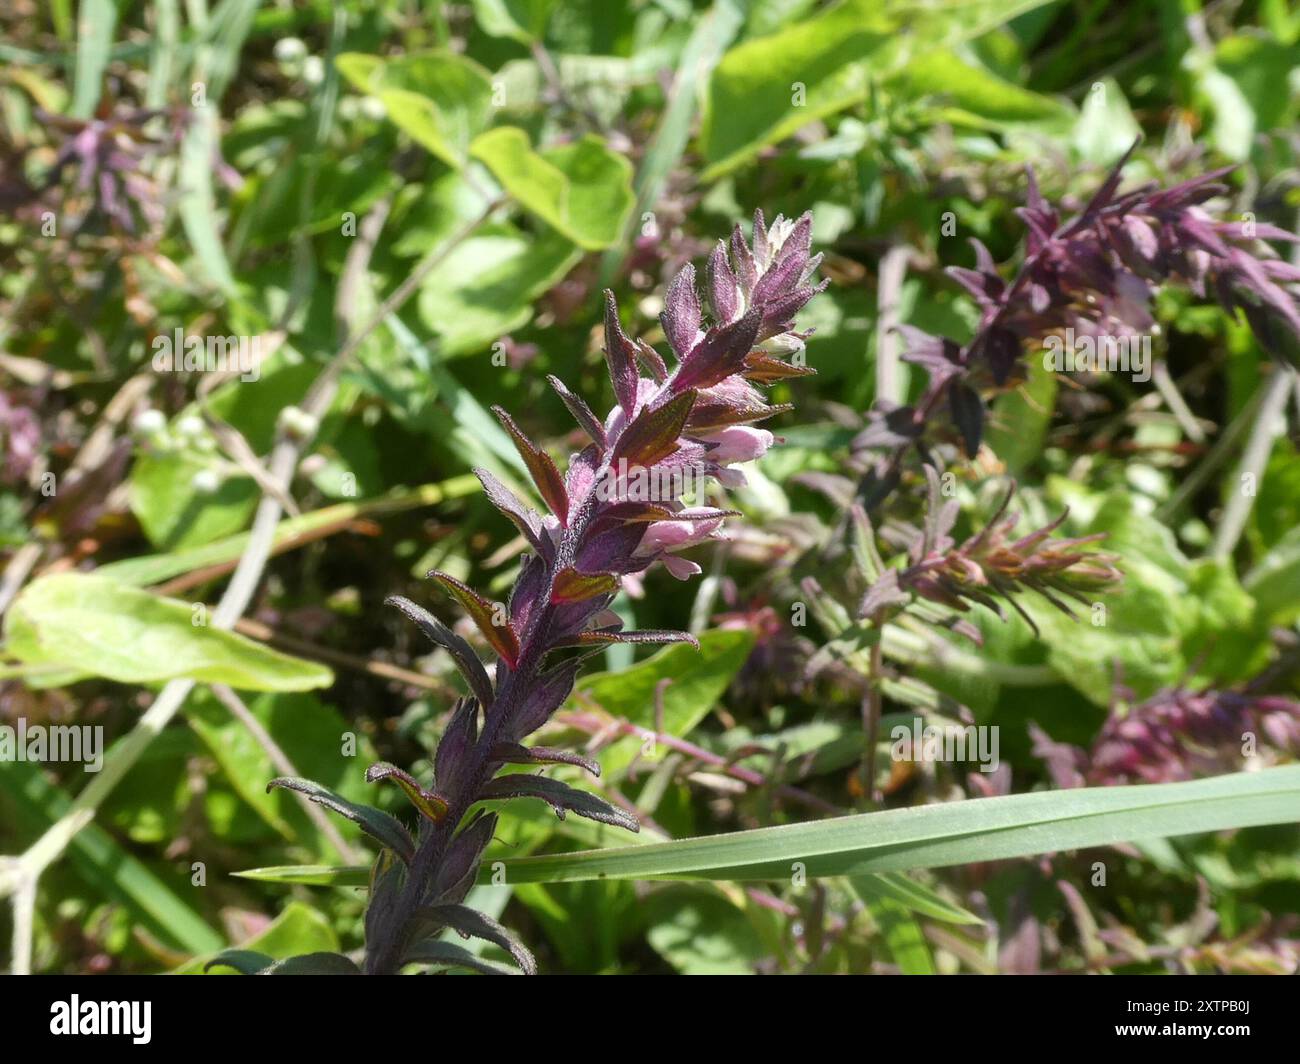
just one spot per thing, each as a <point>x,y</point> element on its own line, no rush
<point>450,955</point>
<point>611,551</point>
<point>459,867</point>
<point>884,594</point>
<point>764,369</point>
<point>1256,231</point>
<point>587,421</point>
<point>527,592</point>
<point>712,417</point>
<point>605,636</point>
<point>522,517</point>
<point>470,923</point>
<point>983,287</point>
<point>742,259</point>
<point>573,586</point>
<point>681,314</point>
<point>721,353</point>
<point>620,353</point>
<point>461,652</point>
<point>631,512</point>
<point>515,754</point>
<point>385,829</point>
<point>313,964</point>
<point>760,236</point>
<point>550,485</point>
<point>781,276</point>
<point>937,355</point>
<point>640,513</point>
<point>454,747</point>
<point>653,434</point>
<point>543,698</point>
<point>482,612</point>
<point>723,288</point>
<point>560,797</point>
<point>1106,192</point>
<point>779,312</point>
<point>967,414</point>
<point>651,361</point>
<point>430,803</point>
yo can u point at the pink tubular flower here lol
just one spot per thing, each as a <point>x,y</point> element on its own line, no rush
<point>740,443</point>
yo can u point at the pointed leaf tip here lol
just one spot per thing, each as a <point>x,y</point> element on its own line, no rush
<point>546,477</point>
<point>484,614</point>
<point>430,803</point>
<point>461,652</point>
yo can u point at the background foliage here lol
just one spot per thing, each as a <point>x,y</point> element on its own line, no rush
<point>224,162</point>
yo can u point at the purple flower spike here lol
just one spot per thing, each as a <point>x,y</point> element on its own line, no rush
<point>1095,276</point>
<point>619,508</point>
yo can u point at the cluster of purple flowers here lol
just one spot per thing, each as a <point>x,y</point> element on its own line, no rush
<point>1176,734</point>
<point>1096,275</point>
<point>990,567</point>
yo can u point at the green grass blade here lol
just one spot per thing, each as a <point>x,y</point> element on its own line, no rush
<point>95,24</point>
<point>311,875</point>
<point>981,829</point>
<point>108,868</point>
<point>933,836</point>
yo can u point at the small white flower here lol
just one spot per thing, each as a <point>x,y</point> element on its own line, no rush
<point>290,49</point>
<point>206,482</point>
<point>149,422</point>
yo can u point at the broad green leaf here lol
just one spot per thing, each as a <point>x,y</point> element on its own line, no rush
<point>933,836</point>
<point>442,100</point>
<point>436,211</point>
<point>1106,128</point>
<point>1274,583</point>
<point>486,287</point>
<point>1264,72</point>
<point>970,94</point>
<point>310,733</point>
<point>583,190</point>
<point>522,20</point>
<point>767,87</point>
<point>901,930</point>
<point>696,680</point>
<point>95,627</point>
<point>297,930</point>
<point>168,496</point>
<point>702,934</point>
